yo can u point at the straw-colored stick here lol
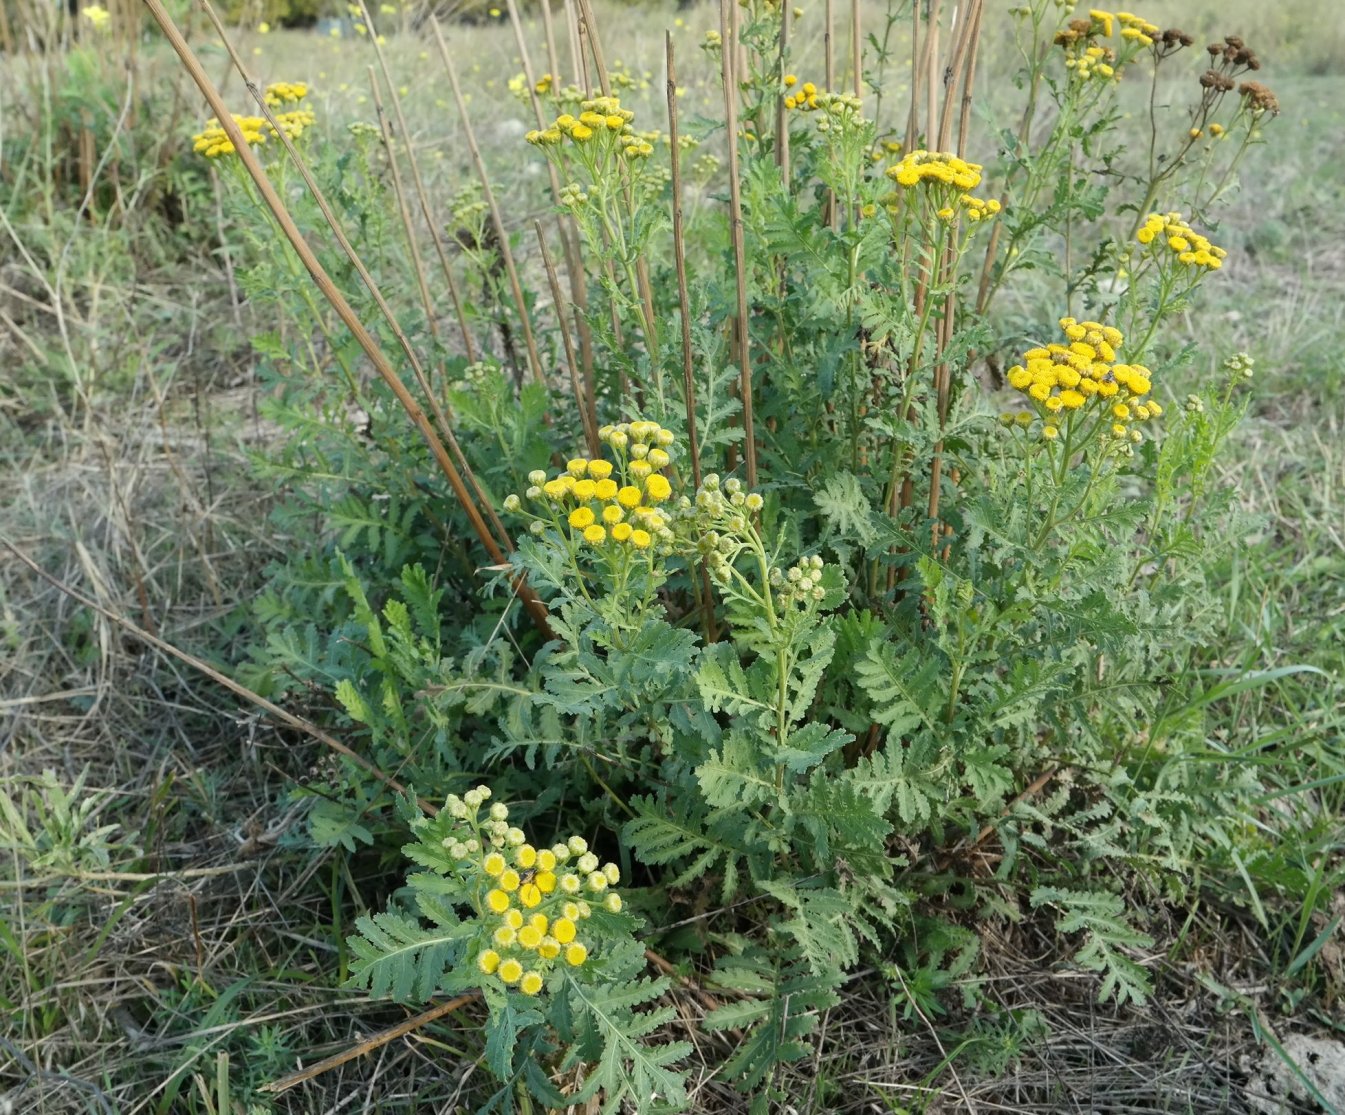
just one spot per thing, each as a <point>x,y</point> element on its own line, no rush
<point>931,67</point>
<point>856,48</point>
<point>828,23</point>
<point>584,401</point>
<point>534,606</point>
<point>515,287</point>
<point>569,231</point>
<point>913,115</point>
<point>739,248</point>
<point>955,72</point>
<point>679,261</point>
<point>552,56</point>
<point>781,117</point>
<point>589,28</point>
<point>404,211</point>
<point>578,59</point>
<point>421,194</point>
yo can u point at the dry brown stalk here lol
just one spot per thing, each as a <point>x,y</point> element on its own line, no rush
<point>421,194</point>
<point>531,602</point>
<point>369,1044</point>
<point>584,403</point>
<point>565,223</point>
<point>781,117</point>
<point>497,221</point>
<point>828,22</point>
<point>702,584</point>
<point>404,212</point>
<point>589,28</point>
<point>727,53</point>
<point>856,49</point>
<point>679,261</point>
<point>552,57</point>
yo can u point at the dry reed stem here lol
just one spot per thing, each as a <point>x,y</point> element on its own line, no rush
<point>578,58</point>
<point>589,29</point>
<point>288,718</point>
<point>548,28</point>
<point>445,428</point>
<point>369,1044</point>
<point>680,263</point>
<point>496,220</point>
<point>701,585</point>
<point>730,79</point>
<point>781,117</point>
<point>565,223</point>
<point>644,290</point>
<point>404,212</point>
<point>421,195</point>
<point>828,22</point>
<point>587,414</point>
<point>960,72</point>
<point>856,48</point>
<point>531,602</point>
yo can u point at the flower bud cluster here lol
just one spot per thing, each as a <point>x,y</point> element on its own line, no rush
<point>801,584</point>
<point>533,900</point>
<point>723,512</point>
<point>1240,366</point>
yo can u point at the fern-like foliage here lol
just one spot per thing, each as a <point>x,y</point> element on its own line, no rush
<point>1108,934</point>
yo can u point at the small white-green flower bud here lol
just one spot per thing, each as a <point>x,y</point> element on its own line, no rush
<point>537,477</point>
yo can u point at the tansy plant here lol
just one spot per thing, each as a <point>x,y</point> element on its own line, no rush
<point>540,934</point>
<point>756,592</point>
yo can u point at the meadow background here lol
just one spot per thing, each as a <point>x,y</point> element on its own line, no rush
<point>170,940</point>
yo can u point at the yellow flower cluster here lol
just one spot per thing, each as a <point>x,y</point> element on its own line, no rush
<point>537,898</point>
<point>286,92</point>
<point>1093,62</point>
<point>804,98</point>
<point>937,167</point>
<point>1136,29</point>
<point>1065,377</point>
<point>1102,19</point>
<point>599,117</point>
<point>212,142</point>
<point>97,15</point>
<point>602,502</point>
<point>1190,248</point>
<point>978,209</point>
<point>544,83</point>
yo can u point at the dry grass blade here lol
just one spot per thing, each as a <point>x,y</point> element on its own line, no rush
<point>368,1045</point>
<point>209,671</point>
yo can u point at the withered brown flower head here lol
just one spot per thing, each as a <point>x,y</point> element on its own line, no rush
<point>1259,97</point>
